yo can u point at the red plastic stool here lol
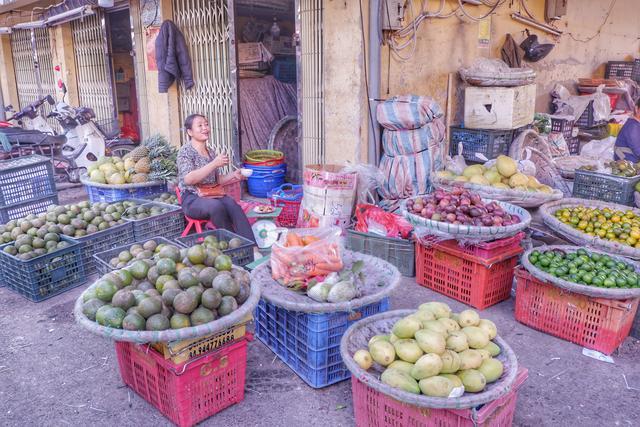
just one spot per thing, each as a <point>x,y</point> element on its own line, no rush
<point>193,223</point>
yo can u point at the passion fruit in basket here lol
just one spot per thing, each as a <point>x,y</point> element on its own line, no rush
<point>460,206</point>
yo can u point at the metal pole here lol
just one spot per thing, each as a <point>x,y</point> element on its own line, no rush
<point>374,80</point>
<point>3,115</point>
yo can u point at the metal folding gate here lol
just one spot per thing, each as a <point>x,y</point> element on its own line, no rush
<point>33,64</point>
<point>93,69</point>
<point>310,81</point>
<point>207,26</point>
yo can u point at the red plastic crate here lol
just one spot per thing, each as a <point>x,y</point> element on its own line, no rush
<point>487,249</point>
<point>289,215</point>
<point>190,392</point>
<point>375,409</point>
<point>476,281</point>
<point>596,323</point>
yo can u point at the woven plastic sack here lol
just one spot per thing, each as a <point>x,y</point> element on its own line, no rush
<point>318,252</point>
<point>407,112</point>
<point>405,176</point>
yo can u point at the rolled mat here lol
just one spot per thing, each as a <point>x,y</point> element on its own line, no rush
<point>358,335</point>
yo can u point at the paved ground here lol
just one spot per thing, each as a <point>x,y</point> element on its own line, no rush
<point>53,373</point>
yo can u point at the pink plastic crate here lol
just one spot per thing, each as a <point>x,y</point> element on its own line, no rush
<point>375,409</point>
<point>189,392</point>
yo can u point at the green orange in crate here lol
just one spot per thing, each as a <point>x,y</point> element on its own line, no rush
<point>478,275</point>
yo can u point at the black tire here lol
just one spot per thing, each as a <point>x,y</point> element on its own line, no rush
<point>121,149</point>
<point>66,169</point>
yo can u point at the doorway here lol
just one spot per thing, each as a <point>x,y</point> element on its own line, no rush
<point>268,79</point>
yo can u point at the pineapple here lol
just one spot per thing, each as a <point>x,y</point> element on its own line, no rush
<point>143,165</point>
<point>139,178</point>
<point>138,153</point>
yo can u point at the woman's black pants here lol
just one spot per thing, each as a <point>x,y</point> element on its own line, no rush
<point>223,213</point>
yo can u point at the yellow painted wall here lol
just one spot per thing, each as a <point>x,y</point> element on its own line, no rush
<point>445,45</point>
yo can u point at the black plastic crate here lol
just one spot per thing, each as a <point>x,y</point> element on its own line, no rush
<point>489,143</point>
<point>101,259</point>
<point>620,70</point>
<point>399,252</point>
<point>605,187</point>
<point>239,256</point>
<point>587,120</point>
<point>25,178</point>
<point>45,276</point>
<point>169,224</point>
<point>573,143</point>
<point>102,241</point>
<point>563,126</point>
<point>21,210</point>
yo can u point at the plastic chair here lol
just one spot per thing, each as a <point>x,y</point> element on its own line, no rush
<point>197,224</point>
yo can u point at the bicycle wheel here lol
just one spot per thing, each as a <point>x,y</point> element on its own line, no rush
<point>121,150</point>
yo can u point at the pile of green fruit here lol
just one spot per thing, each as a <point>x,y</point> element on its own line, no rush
<point>623,168</point>
<point>586,268</point>
<point>75,220</point>
<point>168,198</point>
<point>137,251</point>
<point>176,288</point>
<point>606,223</point>
<point>212,242</point>
<point>27,247</point>
<point>135,211</point>
<point>434,351</point>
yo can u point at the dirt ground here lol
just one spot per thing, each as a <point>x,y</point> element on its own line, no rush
<point>54,373</point>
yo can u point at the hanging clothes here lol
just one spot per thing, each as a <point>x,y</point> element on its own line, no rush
<point>172,57</point>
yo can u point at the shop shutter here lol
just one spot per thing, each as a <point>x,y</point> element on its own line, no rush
<point>310,81</point>
<point>93,69</point>
<point>33,64</point>
<point>207,26</point>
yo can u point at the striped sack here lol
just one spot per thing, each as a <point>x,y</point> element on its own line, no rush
<point>429,137</point>
<point>408,112</point>
<point>405,175</point>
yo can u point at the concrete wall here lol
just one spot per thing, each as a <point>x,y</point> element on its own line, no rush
<point>444,45</point>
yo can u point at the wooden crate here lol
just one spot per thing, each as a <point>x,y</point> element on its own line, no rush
<point>499,107</point>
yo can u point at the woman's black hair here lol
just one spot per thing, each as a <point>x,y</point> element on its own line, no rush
<point>188,122</point>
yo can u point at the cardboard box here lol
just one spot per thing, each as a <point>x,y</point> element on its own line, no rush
<point>499,107</point>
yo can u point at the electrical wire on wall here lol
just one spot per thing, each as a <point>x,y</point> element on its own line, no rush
<point>407,36</point>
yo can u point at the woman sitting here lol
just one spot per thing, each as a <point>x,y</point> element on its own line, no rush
<point>198,166</point>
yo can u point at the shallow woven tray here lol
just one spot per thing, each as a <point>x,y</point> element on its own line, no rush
<point>84,179</point>
<point>380,278</point>
<point>472,231</point>
<point>216,326</point>
<point>358,335</point>
<point>524,199</point>
<point>592,291</point>
<point>581,239</point>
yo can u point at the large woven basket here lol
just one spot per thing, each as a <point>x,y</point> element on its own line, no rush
<point>581,239</point>
<point>524,199</point>
<point>358,335</point>
<point>472,231</point>
<point>380,279</point>
<point>219,325</point>
<point>592,291</point>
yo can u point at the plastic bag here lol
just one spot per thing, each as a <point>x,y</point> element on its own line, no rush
<point>303,253</point>
<point>456,164</point>
<point>369,178</point>
<point>599,148</point>
<point>372,219</point>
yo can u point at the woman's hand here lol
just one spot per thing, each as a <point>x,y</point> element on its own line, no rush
<point>238,175</point>
<point>221,160</point>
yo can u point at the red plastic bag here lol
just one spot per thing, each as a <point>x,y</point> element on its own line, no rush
<point>371,217</point>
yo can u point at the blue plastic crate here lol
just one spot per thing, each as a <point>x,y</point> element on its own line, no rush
<point>102,259</point>
<point>103,241</point>
<point>45,276</point>
<point>309,343</point>
<point>284,69</point>
<point>25,179</point>
<point>240,256</point>
<point>21,210</point>
<point>490,143</point>
<point>99,193</point>
<point>169,224</point>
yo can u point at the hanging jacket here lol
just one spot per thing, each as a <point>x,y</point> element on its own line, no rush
<point>172,57</point>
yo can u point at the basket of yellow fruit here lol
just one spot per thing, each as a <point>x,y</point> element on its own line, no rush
<point>609,227</point>
<point>502,182</point>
